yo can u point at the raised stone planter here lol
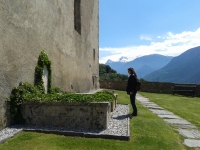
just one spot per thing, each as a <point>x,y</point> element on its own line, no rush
<point>65,114</point>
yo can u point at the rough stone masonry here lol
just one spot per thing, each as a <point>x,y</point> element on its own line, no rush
<point>67,114</point>
<point>66,30</point>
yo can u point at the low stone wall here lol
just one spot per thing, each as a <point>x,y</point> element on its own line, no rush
<point>153,87</point>
<point>157,87</point>
<point>115,85</point>
<point>64,114</point>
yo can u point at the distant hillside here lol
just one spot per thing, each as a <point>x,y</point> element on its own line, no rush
<point>184,68</point>
<point>142,65</point>
<point>144,70</point>
<point>107,73</point>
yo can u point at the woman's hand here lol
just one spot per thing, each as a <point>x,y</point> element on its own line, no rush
<point>131,93</point>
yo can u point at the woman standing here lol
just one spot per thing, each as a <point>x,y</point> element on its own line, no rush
<point>131,85</point>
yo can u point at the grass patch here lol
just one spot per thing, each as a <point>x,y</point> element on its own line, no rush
<point>185,107</point>
<point>148,132</point>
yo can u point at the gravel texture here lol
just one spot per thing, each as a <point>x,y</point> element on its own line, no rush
<point>118,128</point>
<point>9,132</point>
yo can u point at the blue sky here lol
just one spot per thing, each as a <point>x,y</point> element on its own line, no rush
<point>134,28</point>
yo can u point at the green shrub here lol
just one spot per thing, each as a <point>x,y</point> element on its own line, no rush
<point>17,98</point>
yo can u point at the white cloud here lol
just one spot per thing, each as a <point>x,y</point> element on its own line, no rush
<point>170,45</point>
<point>159,37</point>
<point>145,37</point>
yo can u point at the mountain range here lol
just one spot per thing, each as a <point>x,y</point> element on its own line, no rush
<point>184,68</point>
<point>143,65</point>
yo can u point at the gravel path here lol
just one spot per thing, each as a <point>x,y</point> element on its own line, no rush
<point>118,128</point>
<point>8,133</point>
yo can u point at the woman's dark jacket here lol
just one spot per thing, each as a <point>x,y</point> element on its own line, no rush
<point>132,81</point>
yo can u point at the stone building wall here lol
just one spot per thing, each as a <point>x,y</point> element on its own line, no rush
<point>153,87</point>
<point>29,26</point>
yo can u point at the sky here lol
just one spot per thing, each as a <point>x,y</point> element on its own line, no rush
<point>134,28</point>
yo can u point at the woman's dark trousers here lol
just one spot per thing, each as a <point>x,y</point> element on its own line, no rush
<point>132,99</point>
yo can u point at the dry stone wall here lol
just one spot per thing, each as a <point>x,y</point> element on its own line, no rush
<point>153,87</point>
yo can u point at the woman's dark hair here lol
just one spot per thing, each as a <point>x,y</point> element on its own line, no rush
<point>132,71</point>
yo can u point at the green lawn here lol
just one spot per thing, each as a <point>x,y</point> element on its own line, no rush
<point>185,107</point>
<point>148,132</point>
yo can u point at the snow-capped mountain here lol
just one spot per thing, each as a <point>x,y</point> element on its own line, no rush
<point>142,65</point>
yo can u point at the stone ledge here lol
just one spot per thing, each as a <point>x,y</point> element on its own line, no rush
<point>82,134</point>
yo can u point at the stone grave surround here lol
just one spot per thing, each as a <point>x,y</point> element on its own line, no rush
<point>94,115</point>
<point>65,114</point>
<point>118,128</point>
<point>74,119</point>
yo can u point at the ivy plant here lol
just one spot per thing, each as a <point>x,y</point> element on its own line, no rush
<point>43,60</point>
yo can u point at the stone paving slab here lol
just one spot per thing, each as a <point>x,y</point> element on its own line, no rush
<point>177,121</point>
<point>196,133</point>
<point>145,101</point>
<point>145,104</point>
<point>141,99</point>
<point>150,104</point>
<point>168,116</point>
<point>161,112</point>
<point>185,126</point>
<point>193,134</point>
<point>155,107</point>
<point>192,143</point>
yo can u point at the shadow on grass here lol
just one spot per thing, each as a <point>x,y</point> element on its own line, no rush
<point>122,117</point>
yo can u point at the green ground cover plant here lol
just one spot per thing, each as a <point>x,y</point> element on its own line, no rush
<point>183,106</point>
<point>102,96</point>
<point>148,132</point>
